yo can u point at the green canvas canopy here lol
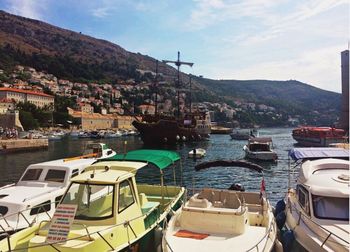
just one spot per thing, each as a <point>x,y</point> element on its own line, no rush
<point>159,158</point>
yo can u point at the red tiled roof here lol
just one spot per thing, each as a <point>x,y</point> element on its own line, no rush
<point>25,92</point>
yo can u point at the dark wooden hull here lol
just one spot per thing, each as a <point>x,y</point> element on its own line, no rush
<point>167,132</point>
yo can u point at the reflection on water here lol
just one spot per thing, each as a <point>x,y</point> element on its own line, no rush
<point>218,147</point>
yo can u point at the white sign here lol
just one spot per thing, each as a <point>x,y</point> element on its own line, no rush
<point>61,222</point>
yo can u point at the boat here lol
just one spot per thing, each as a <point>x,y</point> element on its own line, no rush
<point>167,129</point>
<point>83,134</point>
<point>317,209</point>
<point>112,211</point>
<point>222,220</point>
<point>172,130</point>
<point>112,134</point>
<point>319,136</point>
<point>197,153</point>
<point>260,148</point>
<point>243,134</point>
<point>41,186</point>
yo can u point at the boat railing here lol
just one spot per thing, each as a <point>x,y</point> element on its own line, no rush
<point>272,229</point>
<point>7,186</point>
<point>40,210</point>
<point>300,218</point>
<point>125,224</point>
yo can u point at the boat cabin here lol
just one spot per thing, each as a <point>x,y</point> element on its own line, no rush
<point>323,189</point>
<point>37,192</point>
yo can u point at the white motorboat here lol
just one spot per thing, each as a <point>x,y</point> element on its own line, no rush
<point>318,209</point>
<point>240,134</point>
<point>112,134</point>
<point>36,194</point>
<point>222,220</point>
<point>260,148</point>
<point>197,153</point>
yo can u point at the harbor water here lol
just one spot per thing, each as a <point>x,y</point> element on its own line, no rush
<point>12,165</point>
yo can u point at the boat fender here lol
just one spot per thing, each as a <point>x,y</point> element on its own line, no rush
<point>280,219</point>
<point>158,234</point>
<point>278,246</point>
<point>288,240</point>
<point>280,207</point>
<point>177,137</point>
<point>165,139</point>
<point>183,138</point>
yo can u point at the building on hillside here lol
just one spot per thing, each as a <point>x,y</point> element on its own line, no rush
<point>96,121</point>
<point>18,95</point>
<point>147,109</point>
<point>6,105</point>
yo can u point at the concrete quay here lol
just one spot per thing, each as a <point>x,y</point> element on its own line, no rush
<point>14,145</point>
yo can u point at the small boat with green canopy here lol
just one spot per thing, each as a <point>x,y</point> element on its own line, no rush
<point>111,211</point>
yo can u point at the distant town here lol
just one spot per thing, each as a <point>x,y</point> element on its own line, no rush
<point>93,106</point>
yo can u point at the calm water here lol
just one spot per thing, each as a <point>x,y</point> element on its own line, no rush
<point>218,147</point>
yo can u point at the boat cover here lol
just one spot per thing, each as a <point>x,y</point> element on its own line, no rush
<point>313,153</point>
<point>260,139</point>
<point>159,158</point>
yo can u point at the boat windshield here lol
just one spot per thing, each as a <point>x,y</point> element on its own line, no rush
<point>94,201</point>
<point>32,174</point>
<point>331,207</point>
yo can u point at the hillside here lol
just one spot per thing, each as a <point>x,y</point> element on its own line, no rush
<point>47,46</point>
<point>288,95</point>
<point>78,57</point>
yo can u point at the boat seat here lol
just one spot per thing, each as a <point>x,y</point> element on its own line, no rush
<point>220,198</point>
<point>200,203</point>
<point>149,206</point>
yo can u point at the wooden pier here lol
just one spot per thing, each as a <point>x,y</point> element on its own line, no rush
<point>14,145</point>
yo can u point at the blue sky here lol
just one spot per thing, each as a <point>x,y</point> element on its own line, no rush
<point>239,39</point>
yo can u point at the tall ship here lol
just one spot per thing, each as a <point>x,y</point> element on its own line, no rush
<point>168,129</point>
<point>319,136</point>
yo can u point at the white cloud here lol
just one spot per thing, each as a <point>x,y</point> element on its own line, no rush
<point>100,12</point>
<point>28,8</point>
<point>319,67</point>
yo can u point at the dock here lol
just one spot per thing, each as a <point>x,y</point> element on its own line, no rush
<point>15,145</point>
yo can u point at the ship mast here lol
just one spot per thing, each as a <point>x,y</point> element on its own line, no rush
<point>156,90</point>
<point>178,63</point>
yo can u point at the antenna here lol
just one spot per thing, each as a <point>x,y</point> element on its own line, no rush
<point>178,63</point>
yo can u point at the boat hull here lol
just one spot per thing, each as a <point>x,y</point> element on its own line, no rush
<point>167,132</point>
<point>308,234</point>
<point>260,155</point>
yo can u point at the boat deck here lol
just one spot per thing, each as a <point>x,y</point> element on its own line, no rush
<point>219,242</point>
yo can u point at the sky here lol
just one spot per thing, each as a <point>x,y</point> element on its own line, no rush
<point>225,39</point>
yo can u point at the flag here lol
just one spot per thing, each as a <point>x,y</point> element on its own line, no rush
<point>262,188</point>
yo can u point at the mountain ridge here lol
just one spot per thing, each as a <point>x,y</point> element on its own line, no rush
<point>71,55</point>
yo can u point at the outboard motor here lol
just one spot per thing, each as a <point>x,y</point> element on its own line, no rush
<point>237,187</point>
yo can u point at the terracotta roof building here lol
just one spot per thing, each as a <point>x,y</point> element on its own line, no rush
<point>19,95</point>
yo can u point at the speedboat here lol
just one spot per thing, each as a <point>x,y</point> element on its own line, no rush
<point>260,148</point>
<point>317,211</point>
<point>34,197</point>
<point>197,153</point>
<point>222,220</point>
<point>112,212</point>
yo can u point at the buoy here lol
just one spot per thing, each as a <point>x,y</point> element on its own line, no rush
<point>280,219</point>
<point>288,240</point>
<point>280,207</point>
